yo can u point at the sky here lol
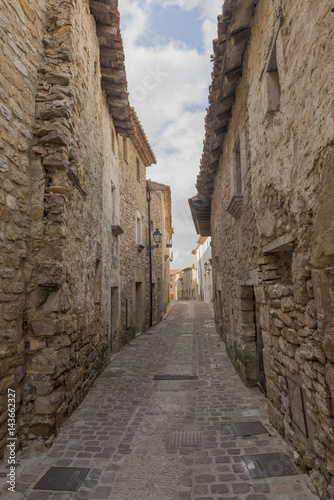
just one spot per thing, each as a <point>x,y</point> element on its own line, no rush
<point>167,45</point>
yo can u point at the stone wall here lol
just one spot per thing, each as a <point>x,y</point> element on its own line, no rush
<point>272,229</point>
<point>133,251</point>
<point>21,52</point>
<point>65,251</point>
<point>293,202</point>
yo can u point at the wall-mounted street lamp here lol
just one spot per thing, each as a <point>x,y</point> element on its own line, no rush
<point>157,236</point>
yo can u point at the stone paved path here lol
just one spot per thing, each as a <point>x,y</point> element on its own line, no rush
<point>122,430</point>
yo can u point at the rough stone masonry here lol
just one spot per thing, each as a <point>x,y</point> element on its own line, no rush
<point>63,109</point>
<point>265,195</point>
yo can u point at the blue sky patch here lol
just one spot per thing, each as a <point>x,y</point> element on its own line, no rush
<point>173,23</point>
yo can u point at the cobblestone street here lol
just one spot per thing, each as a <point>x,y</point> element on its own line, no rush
<point>130,430</point>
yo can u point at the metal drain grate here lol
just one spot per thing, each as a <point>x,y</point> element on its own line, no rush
<point>248,428</point>
<point>269,465</point>
<point>185,438</point>
<point>175,377</point>
<point>62,479</point>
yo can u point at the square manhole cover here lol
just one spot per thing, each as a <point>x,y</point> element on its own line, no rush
<point>185,438</point>
<point>175,377</point>
<point>248,428</point>
<point>269,465</point>
<point>62,479</point>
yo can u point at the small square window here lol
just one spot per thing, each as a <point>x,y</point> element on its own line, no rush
<point>125,148</point>
<point>138,169</point>
<point>113,141</point>
<point>139,237</point>
<point>270,76</point>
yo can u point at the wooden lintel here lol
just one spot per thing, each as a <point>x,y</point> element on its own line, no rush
<point>233,75</point>
<point>226,102</point>
<point>106,53</point>
<point>99,8</point>
<point>118,102</point>
<point>241,37</point>
<point>215,154</point>
<point>113,87</point>
<point>102,30</point>
<point>213,166</point>
<point>113,74</point>
<point>219,132</point>
<point>224,117</point>
<point>123,124</point>
<point>119,114</point>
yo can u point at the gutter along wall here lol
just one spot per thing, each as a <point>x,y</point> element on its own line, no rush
<point>270,199</point>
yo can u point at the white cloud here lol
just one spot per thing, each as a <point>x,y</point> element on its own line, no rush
<point>168,84</point>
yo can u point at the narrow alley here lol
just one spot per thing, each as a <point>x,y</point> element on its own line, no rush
<point>145,432</point>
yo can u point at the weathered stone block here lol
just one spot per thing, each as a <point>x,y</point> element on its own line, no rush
<point>62,359</point>
<point>49,274</point>
<point>43,428</point>
<point>11,311</point>
<point>57,78</point>
<point>291,335</point>
<point>42,363</point>
<point>60,341</point>
<point>312,352</point>
<point>7,382</point>
<point>73,377</point>
<point>244,292</point>
<point>42,327</point>
<point>277,291</point>
<point>46,405</point>
<point>287,304</point>
<point>43,387</point>
<point>37,344</point>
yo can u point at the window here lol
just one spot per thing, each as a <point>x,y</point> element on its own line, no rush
<point>235,206</point>
<point>113,140</point>
<point>237,168</point>
<point>138,229</point>
<point>138,169</point>
<point>125,148</point>
<point>98,281</point>
<point>270,76</point>
<point>112,197</point>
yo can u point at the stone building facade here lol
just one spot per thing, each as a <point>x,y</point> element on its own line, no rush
<point>135,155</point>
<point>265,195</point>
<point>64,114</point>
<point>189,283</point>
<point>161,219</point>
<point>203,266</point>
<point>175,275</point>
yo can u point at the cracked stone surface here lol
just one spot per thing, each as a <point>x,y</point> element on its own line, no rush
<point>122,429</point>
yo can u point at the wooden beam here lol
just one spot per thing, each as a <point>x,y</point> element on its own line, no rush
<point>113,74</point>
<point>102,30</point>
<point>113,87</point>
<point>119,114</point>
<point>233,75</point>
<point>219,132</point>
<point>106,53</point>
<point>215,154</point>
<point>99,8</point>
<point>224,117</point>
<point>227,102</point>
<point>117,102</point>
<point>241,37</point>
